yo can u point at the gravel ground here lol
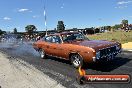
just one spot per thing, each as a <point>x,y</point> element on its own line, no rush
<point>19,74</point>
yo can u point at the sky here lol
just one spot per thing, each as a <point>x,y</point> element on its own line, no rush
<point>74,13</point>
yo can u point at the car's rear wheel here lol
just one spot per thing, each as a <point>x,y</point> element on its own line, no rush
<point>76,60</point>
<point>42,54</point>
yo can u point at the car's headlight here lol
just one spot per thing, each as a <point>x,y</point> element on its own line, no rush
<point>98,54</point>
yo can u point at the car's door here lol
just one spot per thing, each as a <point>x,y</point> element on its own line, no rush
<point>55,45</point>
<point>52,44</point>
<point>46,44</point>
<point>58,46</point>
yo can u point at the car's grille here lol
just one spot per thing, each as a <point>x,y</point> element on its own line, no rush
<point>107,51</point>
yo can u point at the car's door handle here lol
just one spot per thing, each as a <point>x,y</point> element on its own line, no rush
<point>60,49</point>
<point>47,46</point>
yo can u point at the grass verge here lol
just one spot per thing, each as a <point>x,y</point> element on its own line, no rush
<point>121,36</point>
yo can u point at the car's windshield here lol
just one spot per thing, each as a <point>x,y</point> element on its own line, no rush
<point>73,36</point>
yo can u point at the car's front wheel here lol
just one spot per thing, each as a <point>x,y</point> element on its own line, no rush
<point>42,54</point>
<point>76,60</point>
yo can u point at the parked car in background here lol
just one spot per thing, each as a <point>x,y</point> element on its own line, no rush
<point>77,48</point>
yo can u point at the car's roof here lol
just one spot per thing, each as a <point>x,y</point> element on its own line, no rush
<point>64,33</point>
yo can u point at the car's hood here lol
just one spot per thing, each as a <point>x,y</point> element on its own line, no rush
<point>95,44</point>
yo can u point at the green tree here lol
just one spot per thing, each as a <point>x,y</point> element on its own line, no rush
<point>14,30</point>
<point>125,22</point>
<point>1,32</point>
<point>60,26</point>
<point>108,28</point>
<point>117,26</point>
<point>30,28</point>
<point>112,28</point>
<point>97,30</point>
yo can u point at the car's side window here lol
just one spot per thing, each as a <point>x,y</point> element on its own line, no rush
<point>48,39</point>
<point>56,39</point>
<point>43,39</point>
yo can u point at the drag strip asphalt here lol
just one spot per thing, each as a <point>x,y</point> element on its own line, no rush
<point>63,72</point>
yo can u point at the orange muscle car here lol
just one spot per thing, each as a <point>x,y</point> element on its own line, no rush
<point>77,48</point>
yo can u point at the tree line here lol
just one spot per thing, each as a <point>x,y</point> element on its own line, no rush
<point>61,27</point>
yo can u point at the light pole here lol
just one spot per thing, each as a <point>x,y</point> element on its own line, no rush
<point>45,18</point>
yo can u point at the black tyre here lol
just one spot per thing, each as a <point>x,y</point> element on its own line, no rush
<point>76,60</point>
<point>42,54</point>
